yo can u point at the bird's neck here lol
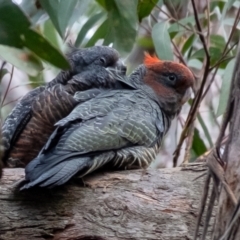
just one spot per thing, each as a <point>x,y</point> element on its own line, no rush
<point>171,105</point>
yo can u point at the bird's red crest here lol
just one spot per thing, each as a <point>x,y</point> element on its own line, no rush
<point>149,60</point>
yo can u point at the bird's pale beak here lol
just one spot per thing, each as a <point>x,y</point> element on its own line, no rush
<point>119,67</point>
<point>186,96</point>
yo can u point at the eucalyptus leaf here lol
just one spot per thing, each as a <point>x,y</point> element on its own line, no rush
<point>225,88</point>
<point>217,41</point>
<point>122,22</point>
<point>145,7</point>
<point>100,33</point>
<point>22,59</point>
<point>198,145</point>
<point>176,27</point>
<point>188,44</point>
<point>205,129</point>
<point>87,26</point>
<point>60,12</point>
<point>16,32</point>
<point>162,41</point>
<point>3,72</point>
<point>36,81</point>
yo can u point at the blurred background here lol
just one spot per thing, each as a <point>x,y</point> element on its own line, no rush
<point>200,34</point>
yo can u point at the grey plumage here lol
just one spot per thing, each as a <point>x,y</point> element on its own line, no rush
<point>31,122</point>
<point>121,127</point>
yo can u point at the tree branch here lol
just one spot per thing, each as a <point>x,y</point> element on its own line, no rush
<point>154,204</point>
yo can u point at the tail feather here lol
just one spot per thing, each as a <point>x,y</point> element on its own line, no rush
<point>54,170</point>
<point>68,170</point>
<point>60,173</point>
<point>44,163</point>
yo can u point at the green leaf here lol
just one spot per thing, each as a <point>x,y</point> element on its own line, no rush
<point>188,44</point>
<point>16,32</point>
<point>228,4</point>
<point>225,89</point>
<point>40,46</point>
<point>204,127</point>
<point>195,63</point>
<point>3,72</point>
<point>22,59</point>
<point>217,41</point>
<point>198,145</point>
<point>87,26</point>
<point>215,55</point>
<point>50,33</point>
<point>145,42</point>
<point>100,33</point>
<point>60,12</point>
<point>12,27</point>
<point>199,54</point>
<point>122,23</point>
<point>31,10</point>
<point>162,41</point>
<point>36,81</point>
<point>145,7</point>
<point>103,3</point>
<point>219,4</point>
<point>81,10</point>
<point>175,27</point>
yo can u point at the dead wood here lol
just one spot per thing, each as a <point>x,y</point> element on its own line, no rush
<point>154,204</point>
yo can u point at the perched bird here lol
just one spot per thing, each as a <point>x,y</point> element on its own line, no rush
<point>120,128</point>
<point>28,126</point>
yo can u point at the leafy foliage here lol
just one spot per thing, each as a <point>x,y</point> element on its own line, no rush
<point>16,32</point>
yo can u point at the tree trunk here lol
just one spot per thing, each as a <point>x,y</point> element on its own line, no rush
<point>232,158</point>
<point>151,204</point>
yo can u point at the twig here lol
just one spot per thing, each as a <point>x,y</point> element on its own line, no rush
<point>189,143</point>
<point>5,104</point>
<point>215,163</point>
<point>232,30</point>
<point>209,212</point>
<point>223,58</point>
<point>201,36</point>
<point>177,21</point>
<point>210,83</point>
<point>212,112</point>
<point>9,83</point>
<point>154,18</point>
<point>233,221</point>
<point>180,56</point>
<point>197,100</point>
<point>202,205</point>
<point>208,22</point>
<point>226,50</point>
<point>145,28</point>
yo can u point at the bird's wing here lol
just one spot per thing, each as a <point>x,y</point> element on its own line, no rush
<point>52,104</point>
<point>47,107</point>
<point>18,118</point>
<point>107,125</point>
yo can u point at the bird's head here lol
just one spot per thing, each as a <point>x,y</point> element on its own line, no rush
<point>96,56</point>
<point>171,82</point>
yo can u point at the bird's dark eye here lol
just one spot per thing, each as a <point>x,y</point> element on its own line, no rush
<point>103,61</point>
<point>172,77</point>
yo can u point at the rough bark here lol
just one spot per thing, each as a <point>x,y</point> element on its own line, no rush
<point>232,158</point>
<point>152,204</point>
